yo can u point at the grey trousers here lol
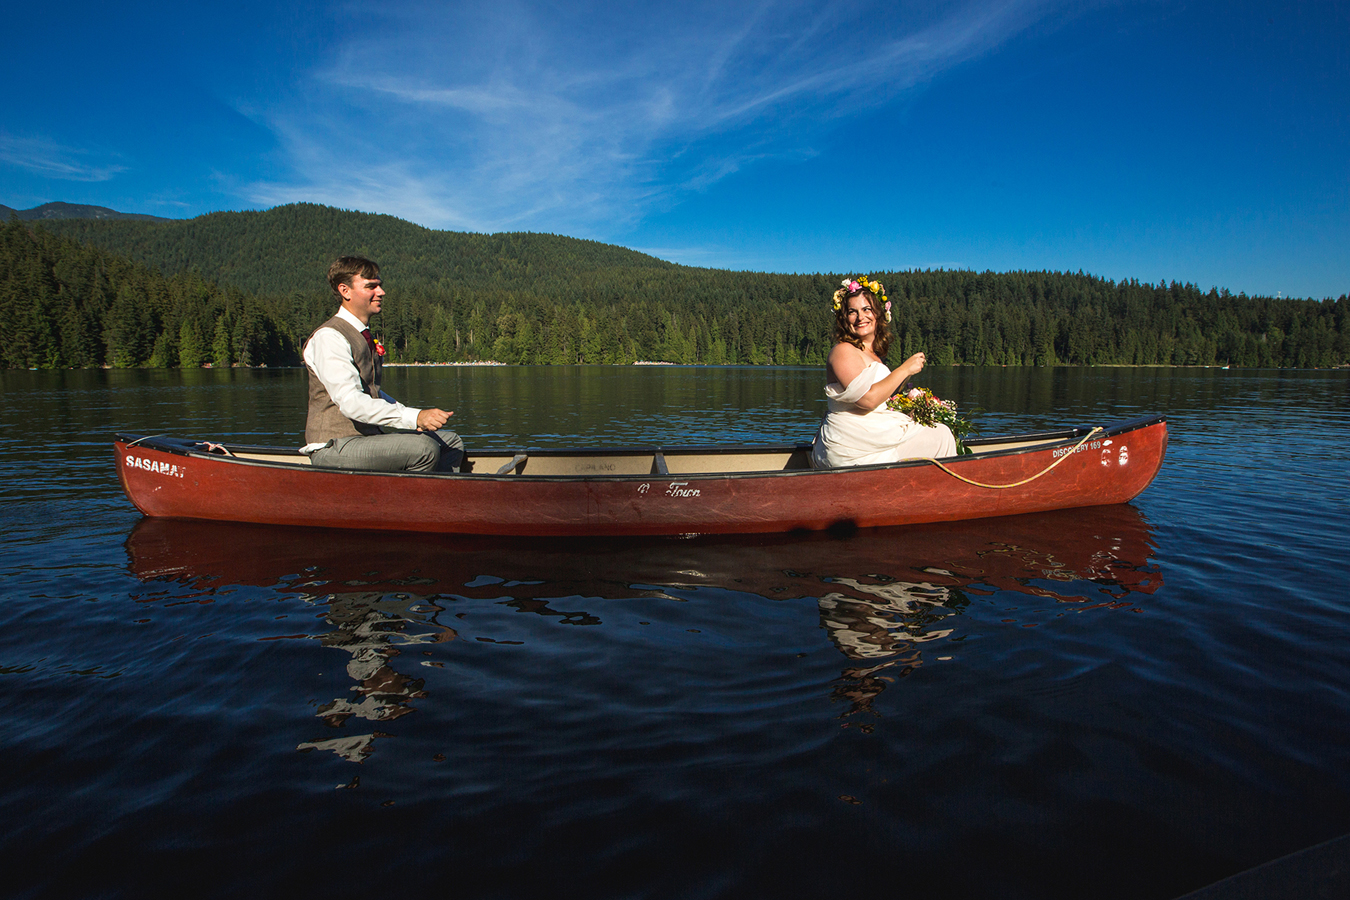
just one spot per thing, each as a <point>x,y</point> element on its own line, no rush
<point>416,451</point>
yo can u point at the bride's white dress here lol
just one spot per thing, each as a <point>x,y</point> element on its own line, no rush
<point>850,437</point>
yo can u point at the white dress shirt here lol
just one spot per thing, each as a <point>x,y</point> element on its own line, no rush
<point>329,356</point>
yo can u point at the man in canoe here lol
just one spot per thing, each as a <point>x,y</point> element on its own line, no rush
<point>352,424</point>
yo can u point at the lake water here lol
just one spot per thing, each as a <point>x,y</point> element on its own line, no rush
<point>1128,702</point>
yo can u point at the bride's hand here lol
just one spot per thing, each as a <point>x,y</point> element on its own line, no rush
<point>914,365</point>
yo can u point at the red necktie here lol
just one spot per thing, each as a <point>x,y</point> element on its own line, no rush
<point>370,341</point>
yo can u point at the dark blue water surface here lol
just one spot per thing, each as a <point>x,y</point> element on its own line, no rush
<point>1127,702</point>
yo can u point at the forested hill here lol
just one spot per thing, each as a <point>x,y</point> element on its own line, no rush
<point>69,305</point>
<point>288,248</point>
<point>247,288</point>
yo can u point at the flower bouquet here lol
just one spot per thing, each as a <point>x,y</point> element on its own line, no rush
<point>921,405</point>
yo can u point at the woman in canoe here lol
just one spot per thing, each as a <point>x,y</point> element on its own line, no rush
<point>859,429</point>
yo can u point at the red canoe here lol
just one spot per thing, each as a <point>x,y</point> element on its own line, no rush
<point>636,491</point>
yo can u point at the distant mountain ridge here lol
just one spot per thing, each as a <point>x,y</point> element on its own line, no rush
<point>58,210</point>
<point>288,248</point>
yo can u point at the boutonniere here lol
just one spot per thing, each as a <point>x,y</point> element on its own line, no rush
<point>379,347</point>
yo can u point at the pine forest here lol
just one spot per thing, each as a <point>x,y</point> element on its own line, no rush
<point>247,288</point>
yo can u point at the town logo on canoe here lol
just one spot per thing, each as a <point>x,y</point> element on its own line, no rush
<point>173,470</point>
<point>676,489</point>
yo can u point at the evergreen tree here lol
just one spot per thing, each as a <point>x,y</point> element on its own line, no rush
<point>191,348</point>
<point>222,353</point>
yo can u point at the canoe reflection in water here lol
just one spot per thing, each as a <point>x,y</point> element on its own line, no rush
<point>886,597</point>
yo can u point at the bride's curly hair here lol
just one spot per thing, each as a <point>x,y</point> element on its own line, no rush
<point>843,331</point>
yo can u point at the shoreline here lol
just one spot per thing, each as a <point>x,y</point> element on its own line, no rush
<point>492,363</point>
<point>422,365</point>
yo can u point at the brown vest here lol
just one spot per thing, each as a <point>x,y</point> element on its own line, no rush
<point>325,421</point>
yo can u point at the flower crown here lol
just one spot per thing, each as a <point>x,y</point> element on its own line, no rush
<point>862,283</point>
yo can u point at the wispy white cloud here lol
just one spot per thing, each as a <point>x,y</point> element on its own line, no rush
<point>52,160</point>
<point>513,115</point>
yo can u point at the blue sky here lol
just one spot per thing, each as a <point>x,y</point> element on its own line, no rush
<point>1201,142</point>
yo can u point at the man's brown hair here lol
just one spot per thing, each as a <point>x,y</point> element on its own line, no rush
<point>344,267</point>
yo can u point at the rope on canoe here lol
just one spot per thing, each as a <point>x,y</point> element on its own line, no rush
<point>999,487</point>
<point>210,447</point>
<point>214,448</point>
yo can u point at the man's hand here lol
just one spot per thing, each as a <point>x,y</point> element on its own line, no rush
<point>432,419</point>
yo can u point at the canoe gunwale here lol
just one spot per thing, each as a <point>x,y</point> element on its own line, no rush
<point>1035,442</point>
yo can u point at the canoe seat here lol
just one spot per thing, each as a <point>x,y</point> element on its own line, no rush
<point>516,460</point>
